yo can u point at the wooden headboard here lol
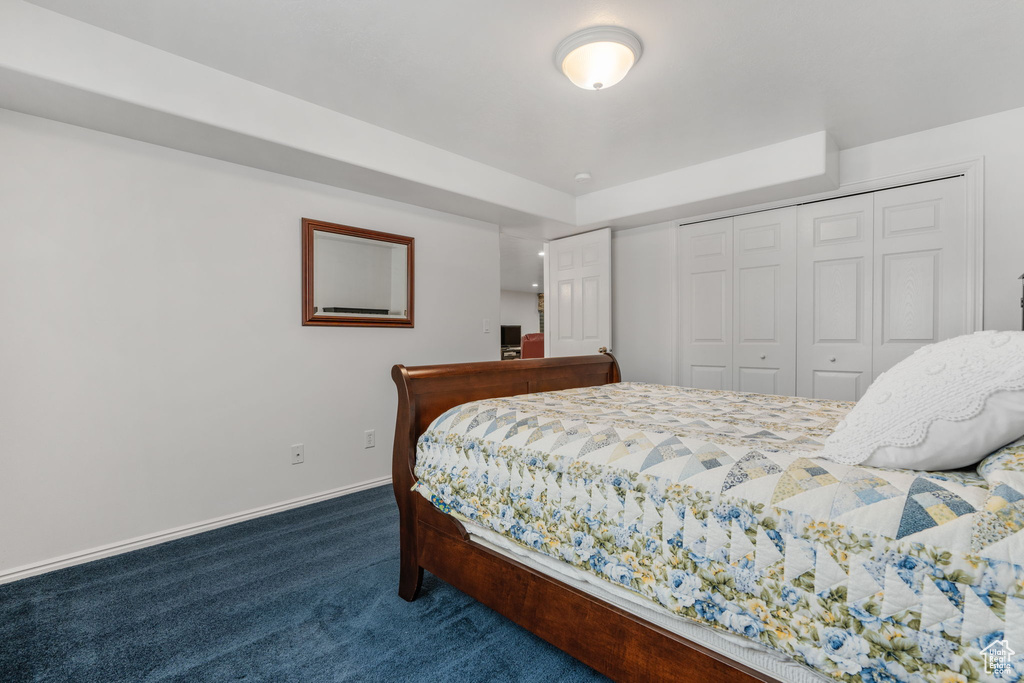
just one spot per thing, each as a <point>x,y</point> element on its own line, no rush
<point>426,391</point>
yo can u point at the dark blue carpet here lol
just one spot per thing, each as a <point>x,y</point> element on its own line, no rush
<point>304,595</point>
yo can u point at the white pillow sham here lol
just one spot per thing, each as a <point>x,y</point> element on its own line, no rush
<point>947,406</point>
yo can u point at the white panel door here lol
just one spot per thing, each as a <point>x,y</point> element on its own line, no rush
<point>764,304</point>
<point>577,301</point>
<point>834,297</point>
<point>920,270</point>
<point>705,305</point>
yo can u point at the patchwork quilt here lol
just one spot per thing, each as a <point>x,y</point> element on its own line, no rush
<point>713,505</point>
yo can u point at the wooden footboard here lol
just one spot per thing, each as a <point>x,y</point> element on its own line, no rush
<point>611,640</point>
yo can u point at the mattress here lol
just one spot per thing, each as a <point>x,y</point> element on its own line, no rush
<point>734,648</point>
<point>712,507</point>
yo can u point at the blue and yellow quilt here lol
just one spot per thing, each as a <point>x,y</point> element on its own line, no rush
<point>712,505</point>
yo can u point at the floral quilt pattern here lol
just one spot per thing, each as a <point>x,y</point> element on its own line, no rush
<point>713,505</point>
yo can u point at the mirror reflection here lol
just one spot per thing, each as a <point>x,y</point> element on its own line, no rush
<point>354,276</point>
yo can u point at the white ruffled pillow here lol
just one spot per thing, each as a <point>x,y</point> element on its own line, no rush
<point>947,406</point>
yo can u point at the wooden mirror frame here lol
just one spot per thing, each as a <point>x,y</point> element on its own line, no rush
<point>309,316</point>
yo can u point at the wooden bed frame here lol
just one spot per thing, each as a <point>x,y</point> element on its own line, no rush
<point>620,645</point>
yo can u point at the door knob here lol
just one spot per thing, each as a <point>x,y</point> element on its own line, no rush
<point>832,359</point>
<point>603,349</point>
<point>763,356</point>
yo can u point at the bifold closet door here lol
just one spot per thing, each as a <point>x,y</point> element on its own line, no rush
<point>834,297</point>
<point>705,305</point>
<point>764,310</point>
<point>920,268</point>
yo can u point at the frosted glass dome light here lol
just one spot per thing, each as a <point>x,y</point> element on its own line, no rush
<point>599,57</point>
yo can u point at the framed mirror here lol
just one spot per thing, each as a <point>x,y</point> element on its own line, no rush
<point>355,277</point>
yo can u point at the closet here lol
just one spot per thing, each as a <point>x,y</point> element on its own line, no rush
<point>819,299</point>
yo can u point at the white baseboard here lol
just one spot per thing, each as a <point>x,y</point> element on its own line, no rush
<point>36,568</point>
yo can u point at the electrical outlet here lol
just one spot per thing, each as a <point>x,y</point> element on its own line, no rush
<point>369,439</point>
<point>298,454</point>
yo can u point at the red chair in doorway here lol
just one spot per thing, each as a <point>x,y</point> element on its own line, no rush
<point>533,345</point>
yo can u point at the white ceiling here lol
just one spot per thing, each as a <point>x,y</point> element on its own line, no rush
<point>717,77</point>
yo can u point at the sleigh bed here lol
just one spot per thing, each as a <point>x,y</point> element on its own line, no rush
<point>660,533</point>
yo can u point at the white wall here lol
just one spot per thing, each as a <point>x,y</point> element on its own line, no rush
<point>644,264</point>
<point>153,368</point>
<point>520,308</point>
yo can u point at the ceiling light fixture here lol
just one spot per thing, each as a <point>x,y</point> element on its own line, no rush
<point>598,57</point>
<point>540,253</point>
<point>534,285</point>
